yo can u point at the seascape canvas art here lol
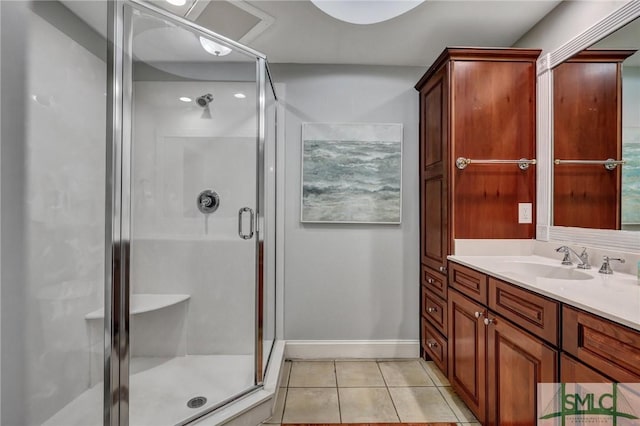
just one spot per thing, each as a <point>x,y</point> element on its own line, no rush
<point>351,173</point>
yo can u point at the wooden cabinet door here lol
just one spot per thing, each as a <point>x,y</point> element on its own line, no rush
<point>433,175</point>
<point>493,117</point>
<point>516,362</point>
<point>467,350</point>
<point>573,371</point>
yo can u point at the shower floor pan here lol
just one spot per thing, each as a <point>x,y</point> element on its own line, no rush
<point>161,388</point>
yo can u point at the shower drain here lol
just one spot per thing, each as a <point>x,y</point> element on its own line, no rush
<point>196,402</point>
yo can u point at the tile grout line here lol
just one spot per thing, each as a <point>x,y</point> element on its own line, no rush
<point>286,393</point>
<point>433,379</point>
<point>284,404</point>
<point>335,373</point>
<point>389,392</point>
<point>449,405</point>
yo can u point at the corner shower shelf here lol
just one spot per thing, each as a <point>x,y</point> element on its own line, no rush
<point>141,303</point>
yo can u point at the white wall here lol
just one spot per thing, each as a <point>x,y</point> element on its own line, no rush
<point>564,22</point>
<point>13,47</point>
<point>55,182</point>
<point>350,282</point>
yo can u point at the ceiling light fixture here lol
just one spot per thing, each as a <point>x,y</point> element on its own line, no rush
<point>365,11</point>
<point>240,95</point>
<point>214,48</point>
<point>177,2</point>
<point>185,99</point>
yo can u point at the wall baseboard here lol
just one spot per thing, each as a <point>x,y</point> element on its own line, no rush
<point>365,349</point>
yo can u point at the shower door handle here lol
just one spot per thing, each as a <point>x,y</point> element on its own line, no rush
<point>241,213</point>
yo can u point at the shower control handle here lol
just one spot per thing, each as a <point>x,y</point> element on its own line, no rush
<point>208,201</point>
<point>241,213</point>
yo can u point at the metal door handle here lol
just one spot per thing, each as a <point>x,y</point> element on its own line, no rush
<point>430,280</point>
<point>479,314</point>
<point>443,269</point>
<point>488,321</point>
<point>432,344</point>
<point>430,309</point>
<point>251,220</point>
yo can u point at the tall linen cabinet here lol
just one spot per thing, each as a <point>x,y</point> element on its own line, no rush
<point>475,104</point>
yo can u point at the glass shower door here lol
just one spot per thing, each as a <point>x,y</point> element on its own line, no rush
<point>194,196</point>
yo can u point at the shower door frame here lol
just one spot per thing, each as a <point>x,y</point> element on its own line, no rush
<point>118,205</point>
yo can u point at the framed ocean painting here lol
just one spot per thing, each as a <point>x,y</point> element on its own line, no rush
<point>351,173</point>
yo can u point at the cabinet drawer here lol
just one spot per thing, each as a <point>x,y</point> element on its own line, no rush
<point>434,345</point>
<point>435,310</point>
<point>534,313</point>
<point>602,344</point>
<point>434,281</point>
<point>468,282</point>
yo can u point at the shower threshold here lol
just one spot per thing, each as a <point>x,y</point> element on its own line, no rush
<point>162,387</point>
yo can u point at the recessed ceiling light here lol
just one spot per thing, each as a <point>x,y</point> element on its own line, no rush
<point>177,2</point>
<point>214,48</point>
<point>185,99</point>
<point>240,95</point>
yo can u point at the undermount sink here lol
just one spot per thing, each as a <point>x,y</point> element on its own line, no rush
<point>541,270</point>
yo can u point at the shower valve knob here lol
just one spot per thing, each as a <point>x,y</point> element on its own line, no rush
<point>208,201</point>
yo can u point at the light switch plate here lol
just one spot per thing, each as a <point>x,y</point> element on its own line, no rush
<point>525,212</point>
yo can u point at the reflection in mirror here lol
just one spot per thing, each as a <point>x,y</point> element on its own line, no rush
<point>596,115</point>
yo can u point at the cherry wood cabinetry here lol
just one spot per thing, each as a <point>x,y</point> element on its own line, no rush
<point>476,103</point>
<point>467,352</point>
<point>468,282</point>
<point>497,354</point>
<point>436,344</point>
<point>435,310</point>
<point>537,314</point>
<point>602,344</point>
<point>504,340</point>
<point>517,362</point>
<point>573,371</point>
<point>587,125</point>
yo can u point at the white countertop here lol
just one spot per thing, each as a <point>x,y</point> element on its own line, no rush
<point>615,297</point>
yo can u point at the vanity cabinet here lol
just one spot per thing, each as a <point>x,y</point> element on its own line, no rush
<point>475,103</point>
<point>602,344</point>
<point>501,345</point>
<point>505,339</point>
<point>467,352</point>
<point>574,371</point>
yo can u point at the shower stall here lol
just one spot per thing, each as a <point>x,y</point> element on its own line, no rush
<point>138,267</point>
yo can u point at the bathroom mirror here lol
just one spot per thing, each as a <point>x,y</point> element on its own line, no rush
<point>596,135</point>
<point>561,207</point>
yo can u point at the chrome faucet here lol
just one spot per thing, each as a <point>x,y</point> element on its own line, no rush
<point>606,268</point>
<point>583,257</point>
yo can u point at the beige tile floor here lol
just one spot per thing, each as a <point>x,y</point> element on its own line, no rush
<point>367,391</point>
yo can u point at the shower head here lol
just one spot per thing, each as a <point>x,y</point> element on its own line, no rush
<point>204,100</point>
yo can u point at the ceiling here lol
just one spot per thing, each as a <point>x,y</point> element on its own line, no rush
<point>296,31</point>
<point>302,33</point>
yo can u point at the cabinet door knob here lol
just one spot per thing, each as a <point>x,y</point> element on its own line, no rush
<point>479,314</point>
<point>488,321</point>
<point>443,269</point>
<point>432,309</point>
<point>432,344</point>
<point>430,280</point>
